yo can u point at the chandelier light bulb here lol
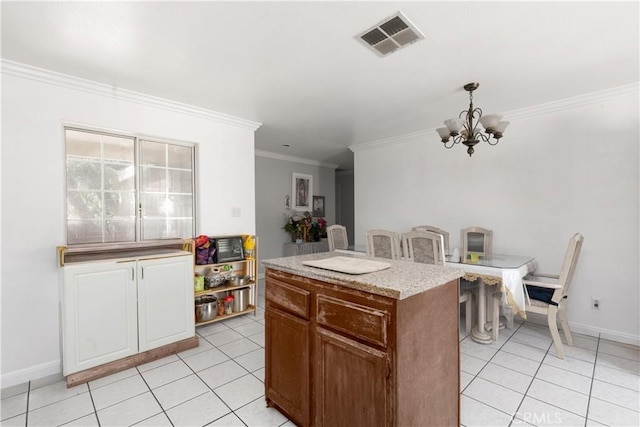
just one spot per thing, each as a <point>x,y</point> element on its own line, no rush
<point>444,134</point>
<point>499,129</point>
<point>454,125</point>
<point>490,121</point>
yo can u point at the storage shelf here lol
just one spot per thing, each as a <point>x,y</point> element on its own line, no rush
<point>220,264</point>
<point>244,267</point>
<point>250,309</point>
<point>219,289</point>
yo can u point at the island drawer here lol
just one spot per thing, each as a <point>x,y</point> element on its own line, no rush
<point>367,323</point>
<point>290,298</point>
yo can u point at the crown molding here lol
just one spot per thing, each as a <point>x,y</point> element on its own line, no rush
<point>270,155</point>
<point>522,113</point>
<point>20,70</point>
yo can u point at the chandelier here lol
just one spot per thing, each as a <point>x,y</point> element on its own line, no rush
<point>464,130</point>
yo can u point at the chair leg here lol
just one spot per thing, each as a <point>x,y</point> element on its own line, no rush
<point>565,326</point>
<point>553,328</point>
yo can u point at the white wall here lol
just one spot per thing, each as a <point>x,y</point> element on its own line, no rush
<point>273,183</point>
<point>553,174</point>
<point>345,202</point>
<point>35,104</point>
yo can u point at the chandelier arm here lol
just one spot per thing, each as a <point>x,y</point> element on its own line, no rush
<point>476,113</point>
<point>492,143</point>
<point>484,137</point>
<point>455,140</point>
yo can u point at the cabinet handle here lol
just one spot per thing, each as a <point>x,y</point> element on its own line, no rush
<point>133,274</point>
<point>141,272</point>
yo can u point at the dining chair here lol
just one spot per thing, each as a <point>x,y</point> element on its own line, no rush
<point>337,237</point>
<point>431,228</point>
<point>476,239</point>
<point>423,246</point>
<point>548,293</point>
<point>428,247</point>
<point>383,244</point>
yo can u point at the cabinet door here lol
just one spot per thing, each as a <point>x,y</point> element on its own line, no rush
<point>287,364</point>
<point>352,383</point>
<point>165,301</point>
<point>99,314</point>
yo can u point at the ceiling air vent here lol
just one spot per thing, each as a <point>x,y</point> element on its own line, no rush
<point>391,34</point>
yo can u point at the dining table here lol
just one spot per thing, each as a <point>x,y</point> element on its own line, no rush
<point>504,272</point>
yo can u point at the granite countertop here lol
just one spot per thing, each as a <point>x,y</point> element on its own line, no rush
<point>402,280</point>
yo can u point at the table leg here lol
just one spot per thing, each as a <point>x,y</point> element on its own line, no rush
<point>479,333</point>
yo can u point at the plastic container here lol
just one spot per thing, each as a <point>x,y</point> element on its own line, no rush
<point>199,283</point>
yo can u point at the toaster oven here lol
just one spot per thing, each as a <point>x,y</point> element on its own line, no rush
<point>229,249</point>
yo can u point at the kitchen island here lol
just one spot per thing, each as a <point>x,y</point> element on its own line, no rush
<point>372,349</point>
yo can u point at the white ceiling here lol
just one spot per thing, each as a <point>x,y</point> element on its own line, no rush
<point>297,67</point>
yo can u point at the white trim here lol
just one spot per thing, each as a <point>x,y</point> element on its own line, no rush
<point>592,331</point>
<point>41,75</point>
<point>284,157</point>
<point>523,113</point>
<point>31,373</point>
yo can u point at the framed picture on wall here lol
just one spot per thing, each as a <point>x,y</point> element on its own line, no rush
<point>318,206</point>
<point>302,191</point>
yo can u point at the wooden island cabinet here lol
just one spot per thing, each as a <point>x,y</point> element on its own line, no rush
<point>377,349</point>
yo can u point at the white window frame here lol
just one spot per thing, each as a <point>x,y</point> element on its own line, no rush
<point>137,140</point>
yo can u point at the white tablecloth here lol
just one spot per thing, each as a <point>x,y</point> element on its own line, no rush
<point>509,279</point>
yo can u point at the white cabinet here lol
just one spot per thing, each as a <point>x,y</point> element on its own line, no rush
<point>117,308</point>
<point>165,301</point>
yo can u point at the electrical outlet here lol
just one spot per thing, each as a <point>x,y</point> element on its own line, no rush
<point>595,303</point>
<point>235,212</point>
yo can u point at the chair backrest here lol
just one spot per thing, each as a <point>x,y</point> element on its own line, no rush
<point>424,246</point>
<point>431,228</point>
<point>383,244</point>
<point>337,237</point>
<point>569,263</point>
<point>476,239</point>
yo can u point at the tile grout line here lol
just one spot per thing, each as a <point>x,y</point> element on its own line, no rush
<point>593,374</point>
<point>209,387</point>
<point>26,416</point>
<point>154,396</point>
<point>526,392</point>
<point>524,395</point>
<point>486,362</point>
<point>93,403</point>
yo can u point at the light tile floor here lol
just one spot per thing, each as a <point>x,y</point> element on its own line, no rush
<point>515,381</point>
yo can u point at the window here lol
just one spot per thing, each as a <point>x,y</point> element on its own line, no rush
<point>124,189</point>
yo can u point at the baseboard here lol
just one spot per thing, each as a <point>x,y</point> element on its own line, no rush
<point>605,334</point>
<point>592,331</point>
<point>32,373</point>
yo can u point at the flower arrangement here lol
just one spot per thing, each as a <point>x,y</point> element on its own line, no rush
<point>304,228</point>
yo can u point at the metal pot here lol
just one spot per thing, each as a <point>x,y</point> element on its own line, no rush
<point>206,308</point>
<point>240,299</point>
<point>239,280</point>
